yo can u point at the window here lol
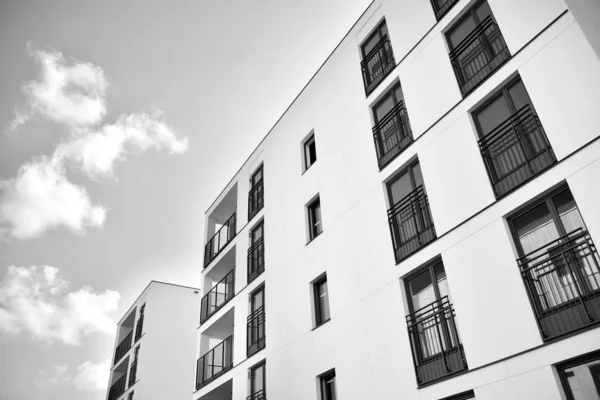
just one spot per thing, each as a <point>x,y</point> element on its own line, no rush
<point>256,194</point>
<point>559,263</point>
<point>580,377</point>
<point>441,7</point>
<point>258,382</point>
<point>477,47</point>
<point>133,368</point>
<point>409,217</point>
<point>392,132</point>
<point>436,346</point>
<point>256,252</point>
<point>321,294</point>
<point>462,396</point>
<point>378,57</point>
<point>140,323</point>
<point>256,322</point>
<point>512,140</point>
<point>310,152</point>
<point>314,219</point>
<point>130,395</point>
<point>327,383</point>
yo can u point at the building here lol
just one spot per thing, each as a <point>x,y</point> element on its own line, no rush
<point>421,222</point>
<point>155,344</point>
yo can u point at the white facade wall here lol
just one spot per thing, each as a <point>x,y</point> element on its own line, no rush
<point>167,359</point>
<point>366,340</point>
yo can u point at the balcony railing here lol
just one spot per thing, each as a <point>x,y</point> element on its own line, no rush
<point>218,296</point>
<point>117,388</point>
<point>392,134</point>
<point>220,239</point>
<point>260,395</point>
<point>441,7</point>
<point>436,348</point>
<point>256,199</point>
<point>133,373</point>
<point>377,64</point>
<point>563,282</point>
<point>139,327</point>
<point>256,259</point>
<point>215,362</point>
<point>411,224</point>
<point>123,347</point>
<point>516,151</point>
<point>256,331</point>
<point>482,52</point>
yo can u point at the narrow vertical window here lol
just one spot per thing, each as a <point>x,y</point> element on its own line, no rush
<point>258,382</point>
<point>139,326</point>
<point>130,396</point>
<point>321,293</point>
<point>315,226</point>
<point>377,57</point>
<point>256,252</point>
<point>310,152</point>
<point>327,381</point>
<point>256,322</point>
<point>256,194</point>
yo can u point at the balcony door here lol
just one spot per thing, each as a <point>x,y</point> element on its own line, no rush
<point>256,322</point>
<point>258,382</point>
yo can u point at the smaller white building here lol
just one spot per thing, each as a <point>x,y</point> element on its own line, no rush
<point>154,354</point>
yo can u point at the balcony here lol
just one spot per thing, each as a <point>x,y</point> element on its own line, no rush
<point>133,373</point>
<point>256,331</point>
<point>377,64</point>
<point>562,280</point>
<point>436,348</point>
<point>256,259</point>
<point>256,199</point>
<point>123,348</point>
<point>214,363</point>
<point>481,53</point>
<point>220,239</point>
<point>392,135</point>
<point>118,388</point>
<point>260,395</point>
<point>218,296</point>
<point>441,7</point>
<point>516,151</point>
<point>411,224</point>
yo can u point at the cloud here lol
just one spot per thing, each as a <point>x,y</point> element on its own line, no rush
<point>35,302</point>
<point>96,152</point>
<point>66,91</point>
<point>88,376</point>
<point>40,198</point>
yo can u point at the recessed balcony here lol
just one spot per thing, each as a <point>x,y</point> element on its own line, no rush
<point>215,362</point>
<point>123,347</point>
<point>217,296</point>
<point>220,240</point>
<point>118,380</point>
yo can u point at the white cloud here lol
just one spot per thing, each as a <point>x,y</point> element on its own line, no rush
<point>66,91</point>
<point>40,198</point>
<point>35,302</point>
<point>20,119</point>
<point>96,152</point>
<point>92,376</point>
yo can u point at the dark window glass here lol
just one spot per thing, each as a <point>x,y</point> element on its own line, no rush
<point>328,391</point>
<point>461,396</point>
<point>256,177</point>
<point>310,152</point>
<point>257,378</point>
<point>130,396</point>
<point>405,183</point>
<point>375,37</point>
<point>314,219</point>
<point>257,233</point>
<point>581,377</point>
<point>321,301</point>
<point>428,286</point>
<point>257,300</point>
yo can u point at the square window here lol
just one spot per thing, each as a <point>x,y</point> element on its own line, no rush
<point>315,227</point>
<point>321,293</point>
<point>327,383</point>
<point>310,152</point>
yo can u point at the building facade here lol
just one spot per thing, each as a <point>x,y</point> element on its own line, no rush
<point>155,343</point>
<point>422,221</point>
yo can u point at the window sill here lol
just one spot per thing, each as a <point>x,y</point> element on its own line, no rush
<point>307,168</point>
<point>314,238</point>
<point>322,323</point>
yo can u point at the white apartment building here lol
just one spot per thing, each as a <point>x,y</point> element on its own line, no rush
<point>155,343</point>
<point>421,222</point>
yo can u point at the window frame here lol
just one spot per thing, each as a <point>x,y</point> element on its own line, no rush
<point>322,384</point>
<point>315,228</point>
<point>430,266</point>
<point>306,143</point>
<point>252,371</point>
<point>470,12</point>
<point>318,302</point>
<point>390,92</point>
<point>573,362</point>
<point>258,170</point>
<point>376,31</point>
<point>469,394</point>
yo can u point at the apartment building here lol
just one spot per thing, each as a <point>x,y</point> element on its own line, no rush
<point>155,343</point>
<point>422,221</point>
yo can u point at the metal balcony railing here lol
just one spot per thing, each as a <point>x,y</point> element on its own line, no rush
<point>411,224</point>
<point>219,240</point>
<point>436,348</point>
<point>377,64</point>
<point>260,395</point>
<point>256,259</point>
<point>256,331</point>
<point>215,362</point>
<point>123,347</point>
<point>139,327</point>
<point>482,52</point>
<point>117,388</point>
<point>256,199</point>
<point>392,134</point>
<point>133,373</point>
<point>218,296</point>
<point>441,7</point>
<point>563,282</point>
<point>516,151</point>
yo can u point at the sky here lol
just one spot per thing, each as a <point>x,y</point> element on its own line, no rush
<point>120,123</point>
